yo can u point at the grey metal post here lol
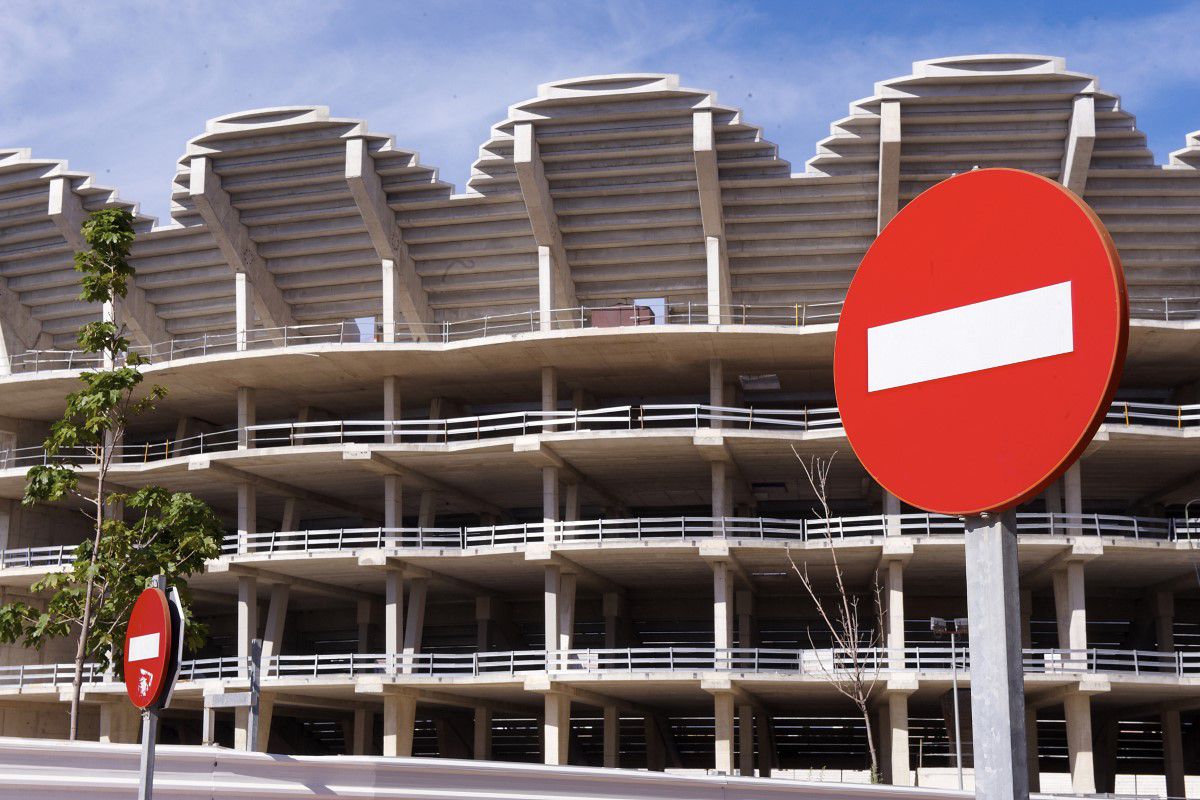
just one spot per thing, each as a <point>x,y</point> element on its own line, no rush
<point>149,740</point>
<point>255,680</point>
<point>957,717</point>
<point>997,672</point>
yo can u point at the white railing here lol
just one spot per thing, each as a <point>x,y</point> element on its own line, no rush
<point>518,423</point>
<point>24,675</point>
<point>54,556</point>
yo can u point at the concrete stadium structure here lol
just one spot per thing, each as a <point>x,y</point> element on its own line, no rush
<point>509,474</point>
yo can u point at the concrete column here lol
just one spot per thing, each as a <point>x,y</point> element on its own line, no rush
<point>722,606</point>
<point>1053,497</point>
<point>549,503</point>
<point>483,623</point>
<point>895,615</point>
<point>566,611</point>
<point>247,514</point>
<point>891,510</point>
<point>1026,620</point>
<point>549,393</point>
<point>1164,621</point>
<point>1070,605</point>
<point>656,757</point>
<point>723,730</point>
<point>481,747</point>
<point>720,489</point>
<point>208,726</point>
<point>266,715</point>
<point>390,315</point>
<point>1173,762</point>
<point>557,728</point>
<point>612,737</point>
<point>1031,750</point>
<point>6,509</point>
<point>276,615</point>
<point>290,520</point>
<point>1078,710</point>
<point>745,726</point>
<point>393,502</point>
<point>247,416</point>
<point>360,734</point>
<point>545,288</point>
<point>716,386</point>
<point>393,613</point>
<point>1073,499</point>
<point>717,281</point>
<point>613,603</point>
<point>745,618</point>
<point>247,621</point>
<point>766,746</point>
<point>898,751</point>
<point>882,720</point>
<point>414,625</point>
<point>391,404</point>
<point>399,720</point>
<point>552,587</point>
<point>427,513</point>
<point>243,304</point>
<point>571,503</point>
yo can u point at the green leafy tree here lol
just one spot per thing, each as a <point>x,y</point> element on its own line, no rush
<point>169,534</point>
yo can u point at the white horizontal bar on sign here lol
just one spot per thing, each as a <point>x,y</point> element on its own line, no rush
<point>143,648</point>
<point>993,333</point>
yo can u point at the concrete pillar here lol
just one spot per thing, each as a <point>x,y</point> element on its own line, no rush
<point>745,726</point>
<point>276,616</point>
<point>720,490</point>
<point>1031,750</point>
<point>362,617</point>
<point>895,615</point>
<point>722,606</point>
<point>882,720</point>
<point>549,394</point>
<point>766,746</point>
<point>414,625</point>
<point>1073,499</point>
<point>399,721</point>
<point>551,587</point>
<point>545,288</point>
<point>247,621</point>
<point>481,747</point>
<point>483,623</point>
<point>891,510</point>
<point>745,618</point>
<point>1173,762</point>
<point>1078,711</point>
<point>247,416</point>
<point>393,502</point>
<point>266,715</point>
<point>390,316</point>
<point>898,751</point>
<point>208,726</point>
<point>360,735</point>
<point>427,513</point>
<point>290,520</point>
<point>247,515</point>
<point>612,737</point>
<point>613,603</point>
<point>1026,620</point>
<point>391,407</point>
<point>1164,621</point>
<point>716,386</point>
<point>557,728</point>
<point>718,290</point>
<point>566,611</point>
<point>656,757</point>
<point>571,507</point>
<point>393,612</point>
<point>723,730</point>
<point>1070,605</point>
<point>6,509</point>
<point>549,503</point>
<point>243,305</point>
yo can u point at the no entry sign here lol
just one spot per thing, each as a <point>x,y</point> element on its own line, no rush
<point>981,341</point>
<point>148,649</point>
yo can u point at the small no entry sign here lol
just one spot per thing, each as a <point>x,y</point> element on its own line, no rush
<point>148,649</point>
<point>981,342</point>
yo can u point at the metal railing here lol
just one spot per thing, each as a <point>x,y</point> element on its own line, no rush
<point>25,675</point>
<point>680,528</point>
<point>520,423</point>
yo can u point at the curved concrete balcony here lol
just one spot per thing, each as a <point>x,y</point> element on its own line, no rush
<point>648,530</point>
<point>523,423</point>
<point>685,662</point>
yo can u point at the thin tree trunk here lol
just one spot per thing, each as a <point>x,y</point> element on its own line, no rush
<point>875,776</point>
<point>85,624</point>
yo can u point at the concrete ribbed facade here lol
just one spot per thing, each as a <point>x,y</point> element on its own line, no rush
<point>509,473</point>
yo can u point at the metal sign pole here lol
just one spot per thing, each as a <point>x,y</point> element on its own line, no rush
<point>253,711</point>
<point>997,671</point>
<point>149,740</point>
<point>957,722</point>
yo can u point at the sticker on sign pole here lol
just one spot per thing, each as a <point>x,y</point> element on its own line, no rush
<point>981,342</point>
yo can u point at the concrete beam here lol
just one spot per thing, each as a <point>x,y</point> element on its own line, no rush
<point>1081,139</point>
<point>19,329</point>
<point>540,683</point>
<point>374,686</point>
<point>1081,550</point>
<point>302,584</point>
<point>542,553</point>
<point>1087,685</point>
<point>889,162</point>
<point>281,488</point>
<point>239,250</point>
<point>409,570</point>
<point>385,466</point>
<point>402,289</point>
<point>712,216</point>
<point>541,455</point>
<point>66,209</point>
<point>556,286</point>
<point>714,551</point>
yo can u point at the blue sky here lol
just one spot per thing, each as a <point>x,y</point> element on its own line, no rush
<point>117,88</point>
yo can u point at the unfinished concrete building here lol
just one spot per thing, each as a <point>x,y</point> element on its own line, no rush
<point>509,473</point>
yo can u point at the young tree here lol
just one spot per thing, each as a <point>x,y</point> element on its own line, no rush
<point>853,666</point>
<point>171,534</point>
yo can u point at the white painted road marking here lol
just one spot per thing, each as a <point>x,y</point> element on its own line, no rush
<point>1006,330</point>
<point>142,648</point>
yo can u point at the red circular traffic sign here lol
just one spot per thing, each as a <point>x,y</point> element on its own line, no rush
<point>981,342</point>
<point>148,648</point>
